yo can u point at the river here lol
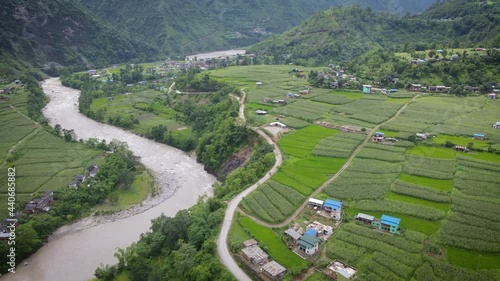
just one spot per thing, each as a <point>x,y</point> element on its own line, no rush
<point>76,250</point>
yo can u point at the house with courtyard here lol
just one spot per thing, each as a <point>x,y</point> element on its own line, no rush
<point>388,223</point>
<point>340,271</point>
<point>274,270</point>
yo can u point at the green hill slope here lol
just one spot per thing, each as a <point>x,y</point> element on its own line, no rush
<point>342,34</point>
<point>63,32</point>
<point>182,27</point>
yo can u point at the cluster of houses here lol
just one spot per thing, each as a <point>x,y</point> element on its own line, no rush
<point>40,204</point>
<point>328,208</point>
<point>385,223</point>
<point>91,171</point>
<point>258,260</point>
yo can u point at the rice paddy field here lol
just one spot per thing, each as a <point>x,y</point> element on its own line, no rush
<point>448,201</point>
<point>42,161</point>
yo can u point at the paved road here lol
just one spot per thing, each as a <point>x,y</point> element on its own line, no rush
<point>317,191</point>
<point>222,246</point>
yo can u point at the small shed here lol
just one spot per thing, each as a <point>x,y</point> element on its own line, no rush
<point>479,137</point>
<point>274,270</point>
<point>258,84</point>
<point>421,136</point>
<point>364,218</point>
<point>293,234</point>
<point>415,87</point>
<point>492,96</point>
<point>260,112</point>
<point>255,255</point>
<point>277,124</point>
<point>367,89</point>
<point>313,202</point>
<point>249,243</point>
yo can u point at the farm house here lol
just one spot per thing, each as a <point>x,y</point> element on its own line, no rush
<point>308,245</point>
<point>388,223</point>
<point>278,124</point>
<point>364,218</point>
<point>497,125</point>
<point>460,148</point>
<point>367,89</point>
<point>479,137</point>
<point>341,271</point>
<point>378,137</point>
<point>320,229</point>
<point>274,270</point>
<point>260,112</point>
<point>334,208</point>
<point>492,96</point>
<point>415,87</point>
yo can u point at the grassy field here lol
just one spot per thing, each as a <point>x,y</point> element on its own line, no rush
<point>277,249</point>
<point>143,105</point>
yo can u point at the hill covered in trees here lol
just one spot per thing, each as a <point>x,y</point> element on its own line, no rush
<point>342,34</point>
<point>189,26</point>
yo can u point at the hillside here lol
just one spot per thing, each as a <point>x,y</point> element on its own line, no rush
<point>339,35</point>
<point>188,26</point>
<point>63,32</point>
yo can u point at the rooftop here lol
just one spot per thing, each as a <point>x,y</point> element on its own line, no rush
<point>392,221</point>
<point>292,233</point>
<point>342,269</point>
<point>250,242</point>
<point>308,241</point>
<point>273,268</point>
<point>311,232</point>
<point>365,217</point>
<point>332,204</point>
<point>255,252</point>
<point>316,201</point>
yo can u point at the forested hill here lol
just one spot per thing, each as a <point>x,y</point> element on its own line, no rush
<point>181,27</point>
<point>61,31</point>
<point>341,34</point>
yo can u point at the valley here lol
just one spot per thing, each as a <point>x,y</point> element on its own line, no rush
<point>334,140</point>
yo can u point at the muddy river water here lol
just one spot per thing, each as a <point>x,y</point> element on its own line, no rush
<point>76,250</point>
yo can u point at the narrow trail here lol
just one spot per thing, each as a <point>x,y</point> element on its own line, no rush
<point>339,172</point>
<point>222,245</point>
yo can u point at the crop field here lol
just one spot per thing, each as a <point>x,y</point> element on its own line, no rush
<point>42,160</point>
<point>333,98</point>
<point>276,81</point>
<point>369,109</point>
<point>271,241</point>
<point>301,143</point>
<point>303,109</point>
<point>340,145</point>
<point>435,168</point>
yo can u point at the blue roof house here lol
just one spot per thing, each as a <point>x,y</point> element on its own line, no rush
<point>334,208</point>
<point>388,223</point>
<point>367,89</point>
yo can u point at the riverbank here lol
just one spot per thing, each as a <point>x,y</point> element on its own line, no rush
<point>76,250</point>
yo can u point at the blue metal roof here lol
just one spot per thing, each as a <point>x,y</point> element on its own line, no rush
<point>479,135</point>
<point>379,133</point>
<point>311,232</point>
<point>392,221</point>
<point>332,204</point>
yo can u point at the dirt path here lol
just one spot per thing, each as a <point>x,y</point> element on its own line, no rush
<point>339,172</point>
<point>222,245</point>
